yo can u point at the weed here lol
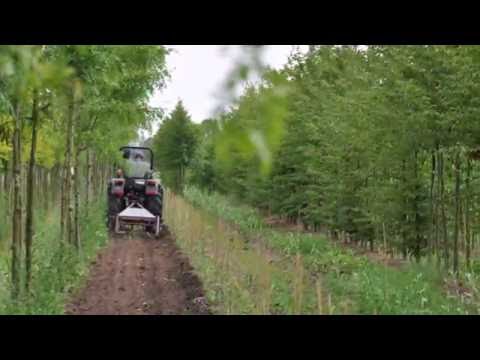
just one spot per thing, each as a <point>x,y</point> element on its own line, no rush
<point>353,282</point>
<point>239,279</point>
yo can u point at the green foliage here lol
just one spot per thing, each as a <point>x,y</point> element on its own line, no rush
<point>91,98</point>
<point>353,133</point>
<point>245,217</point>
<point>202,167</point>
<point>238,279</point>
<point>58,268</point>
<point>112,85</point>
<point>255,127</point>
<point>116,83</point>
<point>174,146</point>
<point>357,285</point>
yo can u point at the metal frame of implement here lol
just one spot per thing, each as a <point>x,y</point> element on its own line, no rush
<point>136,214</point>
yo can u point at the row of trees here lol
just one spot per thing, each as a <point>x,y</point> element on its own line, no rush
<point>64,112</point>
<point>377,143</point>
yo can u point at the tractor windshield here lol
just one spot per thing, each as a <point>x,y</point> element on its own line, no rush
<point>136,162</point>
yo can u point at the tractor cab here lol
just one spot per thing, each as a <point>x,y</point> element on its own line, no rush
<point>138,162</point>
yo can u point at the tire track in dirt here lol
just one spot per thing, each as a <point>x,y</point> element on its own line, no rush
<point>140,276</point>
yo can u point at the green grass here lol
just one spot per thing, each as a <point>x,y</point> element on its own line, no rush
<point>356,284</point>
<point>237,279</point>
<point>58,270</point>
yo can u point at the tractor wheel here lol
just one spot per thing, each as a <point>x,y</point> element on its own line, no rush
<point>115,206</point>
<point>154,205</point>
<point>155,229</point>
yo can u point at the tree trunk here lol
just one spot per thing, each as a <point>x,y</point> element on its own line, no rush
<point>87,184</point>
<point>95,176</point>
<point>437,207</point>
<point>384,235</point>
<point>46,176</point>
<point>405,216</point>
<point>5,177</point>
<point>92,176</point>
<point>432,242</point>
<point>68,206</point>
<point>416,210</point>
<point>467,216</point>
<point>76,189</point>
<point>443,211</point>
<point>17,205</point>
<point>63,198</point>
<point>30,195</point>
<point>54,185</point>
<point>457,211</point>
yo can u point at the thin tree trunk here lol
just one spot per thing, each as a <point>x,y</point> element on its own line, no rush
<point>39,195</point>
<point>17,205</point>
<point>5,177</point>
<point>76,189</point>
<point>457,211</point>
<point>53,185</point>
<point>443,211</point>
<point>68,210</point>
<point>437,207</point>
<point>467,216</point>
<point>63,199</point>
<point>87,185</point>
<point>384,236</point>
<point>92,176</point>
<point>405,219</point>
<point>432,243</point>
<point>418,237</point>
<point>95,175</point>
<point>46,199</point>
<point>100,178</point>
<point>30,195</point>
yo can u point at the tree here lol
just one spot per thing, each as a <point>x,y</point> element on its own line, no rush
<point>174,146</point>
<point>91,97</point>
<point>379,143</point>
<point>202,167</point>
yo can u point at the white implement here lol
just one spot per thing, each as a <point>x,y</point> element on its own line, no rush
<point>136,214</point>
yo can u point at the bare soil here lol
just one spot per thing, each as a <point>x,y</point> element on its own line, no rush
<point>139,275</point>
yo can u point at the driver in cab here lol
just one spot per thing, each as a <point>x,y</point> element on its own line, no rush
<point>136,165</point>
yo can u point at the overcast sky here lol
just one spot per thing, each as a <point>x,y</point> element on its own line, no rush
<point>199,71</point>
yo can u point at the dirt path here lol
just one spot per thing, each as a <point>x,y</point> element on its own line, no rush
<point>140,276</point>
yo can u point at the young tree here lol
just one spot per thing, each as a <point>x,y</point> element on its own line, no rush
<point>174,146</point>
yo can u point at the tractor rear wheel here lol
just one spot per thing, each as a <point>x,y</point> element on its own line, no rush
<point>154,205</point>
<point>115,206</point>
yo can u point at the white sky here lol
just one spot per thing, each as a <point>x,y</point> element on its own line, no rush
<point>199,71</point>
